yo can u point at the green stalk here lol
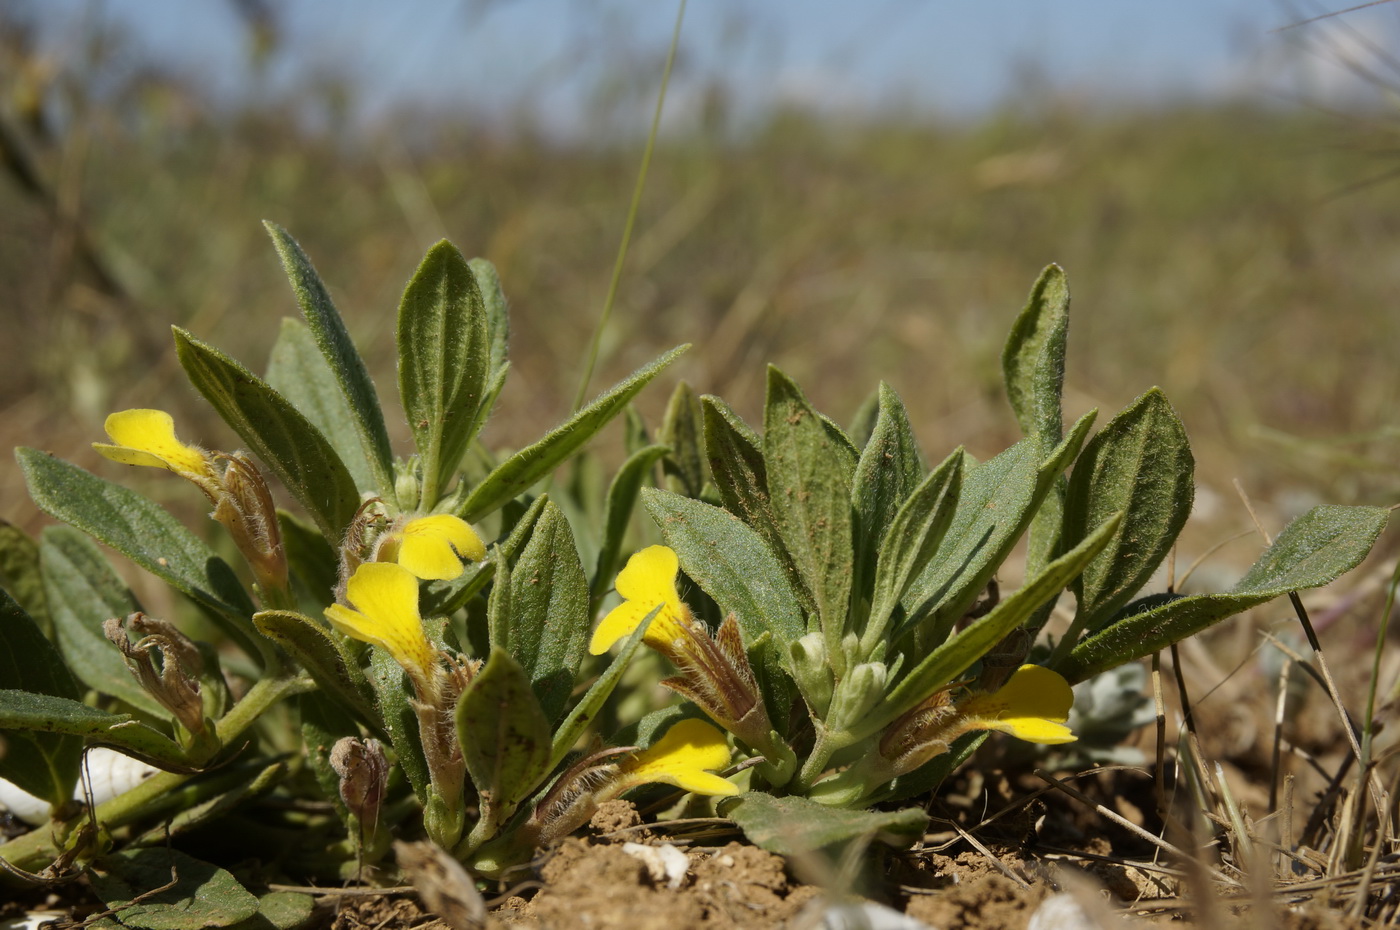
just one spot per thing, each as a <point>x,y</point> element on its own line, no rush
<point>606,315</point>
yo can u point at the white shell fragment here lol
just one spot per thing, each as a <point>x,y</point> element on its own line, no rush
<point>864,915</point>
<point>110,773</point>
<point>665,863</point>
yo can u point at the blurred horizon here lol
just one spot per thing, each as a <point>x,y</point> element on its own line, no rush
<point>1220,193</point>
<point>586,70</point>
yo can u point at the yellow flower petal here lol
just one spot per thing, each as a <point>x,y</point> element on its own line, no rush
<point>433,547</point>
<point>647,582</point>
<point>681,758</point>
<point>147,437</point>
<point>385,598</point>
<point>1033,705</point>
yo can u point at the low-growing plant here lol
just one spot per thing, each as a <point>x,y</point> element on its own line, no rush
<point>844,626</point>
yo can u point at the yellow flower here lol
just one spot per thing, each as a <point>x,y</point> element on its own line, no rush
<point>1033,705</point>
<point>147,437</point>
<point>385,600</point>
<point>433,547</point>
<point>647,582</point>
<point>683,757</point>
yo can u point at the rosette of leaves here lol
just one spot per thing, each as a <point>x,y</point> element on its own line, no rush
<point>862,579</point>
<point>314,420</point>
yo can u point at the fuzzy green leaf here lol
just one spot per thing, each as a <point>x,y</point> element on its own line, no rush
<point>795,826</point>
<point>493,300</point>
<point>890,468</point>
<point>503,732</point>
<point>731,563</point>
<point>915,532</point>
<point>340,354</point>
<point>517,473</point>
<point>996,503</point>
<point>810,469</point>
<point>967,646</point>
<point>682,432</point>
<point>203,896</point>
<point>143,532</point>
<point>550,611</point>
<point>310,558</point>
<point>622,500</point>
<point>1139,465</point>
<point>280,435</point>
<point>297,370</point>
<point>325,657</point>
<point>1312,551</point>
<point>19,573</point>
<point>444,361</point>
<point>591,704</point>
<point>47,715</point>
<point>84,591</point>
<point>443,598</point>
<point>741,476</point>
<point>393,694</point>
<point>44,764</point>
<point>1033,361</point>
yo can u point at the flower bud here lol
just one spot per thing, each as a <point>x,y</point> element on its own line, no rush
<point>364,774</point>
<point>813,674</point>
<point>165,662</point>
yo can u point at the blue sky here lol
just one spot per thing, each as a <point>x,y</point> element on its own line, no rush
<point>956,57</point>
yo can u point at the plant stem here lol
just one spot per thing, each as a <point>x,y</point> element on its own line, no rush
<point>608,302</point>
<point>39,846</point>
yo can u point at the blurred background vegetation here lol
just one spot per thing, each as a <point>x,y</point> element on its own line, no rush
<point>1243,255</point>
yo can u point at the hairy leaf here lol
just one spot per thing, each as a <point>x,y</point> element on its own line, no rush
<point>517,473</point>
<point>1312,551</point>
<point>345,363</point>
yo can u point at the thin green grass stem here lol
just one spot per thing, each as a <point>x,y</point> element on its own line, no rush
<point>603,318</point>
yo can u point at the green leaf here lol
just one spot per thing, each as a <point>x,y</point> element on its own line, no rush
<point>282,910</point>
<point>47,715</point>
<point>1033,361</point>
<point>311,559</point>
<point>731,563</point>
<point>324,721</point>
<point>297,370</point>
<point>622,500</point>
<point>1139,465</point>
<point>342,358</point>
<point>810,469</point>
<point>19,573</point>
<point>889,470</point>
<point>517,473</point>
<point>203,896</point>
<point>443,598</point>
<point>550,612</point>
<point>44,764</point>
<point>1312,551</point>
<point>915,532</point>
<point>503,732</point>
<point>493,299</point>
<point>394,694</point>
<point>279,434</point>
<point>325,657</point>
<point>996,503</point>
<point>444,362</point>
<point>682,434</point>
<point>591,704</point>
<point>83,592</point>
<point>144,533</point>
<point>741,476</point>
<point>795,826</point>
<point>962,649</point>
